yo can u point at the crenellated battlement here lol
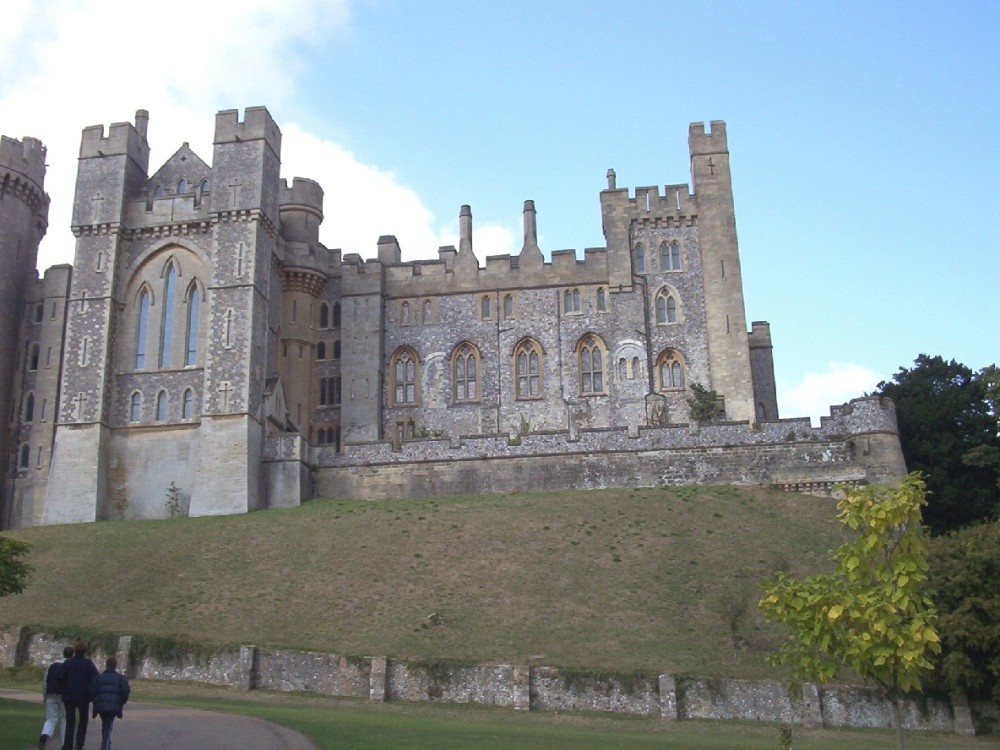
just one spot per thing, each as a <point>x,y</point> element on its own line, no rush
<point>257,124</point>
<point>24,157</point>
<point>303,195</point>
<point>123,139</point>
<point>713,141</point>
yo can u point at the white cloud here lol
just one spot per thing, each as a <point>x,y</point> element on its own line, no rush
<point>813,395</point>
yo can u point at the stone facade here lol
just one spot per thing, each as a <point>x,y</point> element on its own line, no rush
<point>205,339</point>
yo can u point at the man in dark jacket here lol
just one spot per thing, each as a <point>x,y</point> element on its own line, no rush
<point>79,672</point>
<point>109,691</point>
<point>55,713</point>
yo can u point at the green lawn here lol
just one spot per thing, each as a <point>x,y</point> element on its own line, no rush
<point>589,580</point>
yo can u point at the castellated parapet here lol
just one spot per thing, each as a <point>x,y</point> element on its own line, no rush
<point>205,339</point>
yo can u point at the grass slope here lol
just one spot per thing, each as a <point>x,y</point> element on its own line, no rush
<point>619,579</point>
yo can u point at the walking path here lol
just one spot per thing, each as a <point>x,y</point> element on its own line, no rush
<point>149,726</point>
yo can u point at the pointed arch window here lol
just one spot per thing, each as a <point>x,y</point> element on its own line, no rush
<point>135,407</point>
<point>324,315</point>
<point>508,306</point>
<point>29,408</point>
<point>167,323</point>
<point>404,314</point>
<point>670,256</point>
<point>336,315</point>
<point>465,373</point>
<point>320,351</point>
<point>405,374</point>
<point>161,406</point>
<point>670,369</point>
<point>528,370</point>
<point>187,404</point>
<point>591,360</point>
<point>602,299</point>
<point>182,186</point>
<point>484,308</point>
<point>639,257</point>
<point>428,314</point>
<point>336,349</point>
<point>142,330</point>
<point>666,307</point>
<point>193,318</point>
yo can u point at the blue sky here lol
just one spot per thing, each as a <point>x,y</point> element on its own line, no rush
<point>863,138</point>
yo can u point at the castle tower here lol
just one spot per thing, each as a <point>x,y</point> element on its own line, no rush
<point>245,245</point>
<point>111,169</point>
<point>24,209</point>
<point>728,352</point>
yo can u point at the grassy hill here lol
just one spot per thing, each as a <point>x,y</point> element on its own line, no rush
<point>621,579</point>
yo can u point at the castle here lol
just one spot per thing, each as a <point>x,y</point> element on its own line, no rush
<point>206,354</point>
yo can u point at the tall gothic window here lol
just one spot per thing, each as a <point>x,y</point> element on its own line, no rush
<point>193,313</point>
<point>167,325</point>
<point>135,407</point>
<point>161,406</point>
<point>670,367</point>
<point>324,315</point>
<point>142,332</point>
<point>639,255</point>
<point>666,307</point>
<point>591,360</point>
<point>404,377</point>
<point>465,369</point>
<point>528,370</point>
<point>187,405</point>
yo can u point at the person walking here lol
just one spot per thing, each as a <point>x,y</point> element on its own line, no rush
<point>78,673</point>
<point>109,691</point>
<point>55,712</point>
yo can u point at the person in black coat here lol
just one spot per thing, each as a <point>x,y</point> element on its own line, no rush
<point>109,691</point>
<point>55,712</point>
<point>78,673</point>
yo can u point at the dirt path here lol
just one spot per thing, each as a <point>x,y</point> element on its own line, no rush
<point>148,726</point>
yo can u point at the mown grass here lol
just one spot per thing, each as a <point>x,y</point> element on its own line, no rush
<point>623,580</point>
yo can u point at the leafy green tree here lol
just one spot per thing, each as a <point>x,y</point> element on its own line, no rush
<point>703,403</point>
<point>14,571</point>
<point>948,431</point>
<point>964,582</point>
<point>869,614</point>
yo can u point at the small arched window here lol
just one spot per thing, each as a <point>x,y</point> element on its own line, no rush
<point>321,351</point>
<point>135,407</point>
<point>161,406</point>
<point>465,373</point>
<point>528,370</point>
<point>182,186</point>
<point>670,256</point>
<point>336,315</point>
<point>571,301</point>
<point>666,307</point>
<point>324,315</point>
<point>602,299</point>
<point>29,408</point>
<point>206,186</point>
<point>428,314</point>
<point>404,314</point>
<point>639,257</point>
<point>508,306</point>
<point>187,405</point>
<point>25,456</point>
<point>336,349</point>
<point>33,358</point>
<point>404,371</point>
<point>591,361</point>
<point>670,367</point>
<point>484,308</point>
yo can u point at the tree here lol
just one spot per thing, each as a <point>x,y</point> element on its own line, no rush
<point>948,431</point>
<point>869,613</point>
<point>14,572</point>
<point>703,403</point>
<point>964,582</point>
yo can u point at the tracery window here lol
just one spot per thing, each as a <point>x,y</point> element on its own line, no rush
<point>666,307</point>
<point>670,256</point>
<point>670,367</point>
<point>528,370</point>
<point>405,373</point>
<point>465,373</point>
<point>590,354</point>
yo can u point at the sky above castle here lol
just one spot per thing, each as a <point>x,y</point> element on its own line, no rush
<point>862,138</point>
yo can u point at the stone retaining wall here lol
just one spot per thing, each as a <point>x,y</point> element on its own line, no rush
<point>522,687</point>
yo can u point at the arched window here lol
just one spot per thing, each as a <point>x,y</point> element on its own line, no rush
<point>141,332</point>
<point>404,314</point>
<point>670,367</point>
<point>602,299</point>
<point>336,315</point>
<point>182,186</point>
<point>403,367</point>
<point>29,408</point>
<point>324,315</point>
<point>187,405</point>
<point>158,192</point>
<point>571,301</point>
<point>591,359</point>
<point>33,358</point>
<point>161,406</point>
<point>639,256</point>
<point>465,373</point>
<point>193,314</point>
<point>428,314</point>
<point>135,407</point>
<point>321,351</point>
<point>206,186</point>
<point>666,307</point>
<point>508,306</point>
<point>528,370</point>
<point>167,324</point>
<point>484,308</point>
<point>670,256</point>
<point>336,349</point>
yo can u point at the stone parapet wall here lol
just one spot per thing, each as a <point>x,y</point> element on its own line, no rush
<point>520,686</point>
